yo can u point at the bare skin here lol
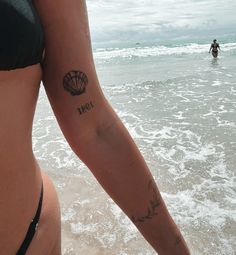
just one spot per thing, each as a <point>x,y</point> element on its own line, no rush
<point>94,131</point>
<point>20,175</point>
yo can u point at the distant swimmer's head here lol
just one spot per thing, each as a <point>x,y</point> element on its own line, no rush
<point>214,40</point>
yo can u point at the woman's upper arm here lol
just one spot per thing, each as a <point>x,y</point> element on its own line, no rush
<point>69,74</point>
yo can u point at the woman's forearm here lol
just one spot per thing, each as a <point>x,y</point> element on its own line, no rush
<point>115,161</point>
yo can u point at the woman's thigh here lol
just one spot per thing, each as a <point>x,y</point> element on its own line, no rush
<point>47,239</point>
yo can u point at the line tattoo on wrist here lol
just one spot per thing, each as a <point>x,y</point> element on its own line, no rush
<point>85,108</point>
<point>75,82</point>
<point>154,203</point>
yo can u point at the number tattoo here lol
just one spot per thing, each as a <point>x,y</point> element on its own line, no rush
<point>85,107</point>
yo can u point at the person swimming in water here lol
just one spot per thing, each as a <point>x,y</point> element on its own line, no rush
<point>214,48</point>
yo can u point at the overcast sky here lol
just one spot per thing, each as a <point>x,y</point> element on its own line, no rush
<point>144,20</point>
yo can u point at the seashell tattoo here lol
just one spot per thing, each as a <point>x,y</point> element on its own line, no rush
<point>75,82</point>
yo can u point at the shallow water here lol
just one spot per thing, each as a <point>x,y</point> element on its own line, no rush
<point>181,110</point>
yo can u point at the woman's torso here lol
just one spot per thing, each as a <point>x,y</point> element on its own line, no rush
<point>20,178</point>
<point>215,46</point>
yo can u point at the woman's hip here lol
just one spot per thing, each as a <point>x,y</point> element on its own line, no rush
<point>47,238</point>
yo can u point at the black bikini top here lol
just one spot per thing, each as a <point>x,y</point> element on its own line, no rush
<point>21,35</point>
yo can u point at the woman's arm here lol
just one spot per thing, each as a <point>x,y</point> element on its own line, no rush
<point>210,48</point>
<point>92,128</point>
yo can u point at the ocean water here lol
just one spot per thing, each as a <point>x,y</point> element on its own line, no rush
<point>180,107</point>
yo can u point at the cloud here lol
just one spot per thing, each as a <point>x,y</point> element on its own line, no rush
<point>145,19</point>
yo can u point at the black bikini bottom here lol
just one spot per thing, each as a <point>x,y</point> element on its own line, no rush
<point>32,228</point>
